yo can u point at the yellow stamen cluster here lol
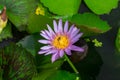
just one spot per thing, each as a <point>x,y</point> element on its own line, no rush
<point>61,42</point>
<point>40,11</point>
<point>97,43</point>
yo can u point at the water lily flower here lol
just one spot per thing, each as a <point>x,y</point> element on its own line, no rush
<point>60,40</point>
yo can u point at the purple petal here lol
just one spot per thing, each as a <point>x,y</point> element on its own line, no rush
<point>75,48</point>
<point>68,51</point>
<point>48,33</point>
<point>50,30</point>
<point>46,47</point>
<point>74,30</point>
<point>43,51</point>
<point>44,41</point>
<point>43,32</point>
<point>55,57</point>
<point>74,34</point>
<point>71,28</point>
<point>60,28</point>
<point>55,26</point>
<point>76,38</point>
<point>45,36</point>
<point>66,27</point>
<point>61,53</point>
<point>51,52</point>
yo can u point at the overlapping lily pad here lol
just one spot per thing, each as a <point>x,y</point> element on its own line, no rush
<point>17,63</point>
<point>90,24</point>
<point>62,7</point>
<point>18,11</point>
<point>101,6</point>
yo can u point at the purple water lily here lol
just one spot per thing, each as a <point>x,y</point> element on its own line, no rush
<point>60,41</point>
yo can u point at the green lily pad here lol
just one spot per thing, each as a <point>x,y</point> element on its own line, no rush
<point>45,67</point>
<point>28,44</point>
<point>1,8</point>
<point>62,7</point>
<point>101,6</point>
<point>118,40</point>
<point>63,75</point>
<point>18,11</point>
<point>90,24</point>
<point>37,23</point>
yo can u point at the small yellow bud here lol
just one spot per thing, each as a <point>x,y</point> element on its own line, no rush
<point>3,19</point>
<point>40,11</point>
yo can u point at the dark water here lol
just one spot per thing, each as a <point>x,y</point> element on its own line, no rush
<point>110,69</point>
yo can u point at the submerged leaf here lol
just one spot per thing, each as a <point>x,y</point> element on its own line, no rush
<point>101,6</point>
<point>17,63</point>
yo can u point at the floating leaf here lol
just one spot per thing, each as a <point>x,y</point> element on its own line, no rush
<point>90,24</point>
<point>28,44</point>
<point>45,67</point>
<point>18,11</point>
<point>6,33</point>
<point>118,40</point>
<point>31,44</point>
<point>44,74</point>
<point>101,6</point>
<point>62,7</point>
<point>17,63</point>
<point>62,75</point>
<point>37,23</point>
<point>1,8</point>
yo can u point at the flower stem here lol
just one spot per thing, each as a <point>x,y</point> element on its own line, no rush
<point>71,64</point>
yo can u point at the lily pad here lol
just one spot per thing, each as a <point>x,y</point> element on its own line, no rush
<point>61,75</point>
<point>45,67</point>
<point>36,23</point>
<point>62,7</point>
<point>101,6</point>
<point>90,24</point>
<point>18,11</point>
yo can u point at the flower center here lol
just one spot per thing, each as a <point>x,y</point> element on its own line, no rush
<point>61,42</point>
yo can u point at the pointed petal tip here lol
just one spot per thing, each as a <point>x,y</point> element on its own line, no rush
<point>61,54</point>
<point>41,52</point>
<point>76,48</point>
<point>55,57</point>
